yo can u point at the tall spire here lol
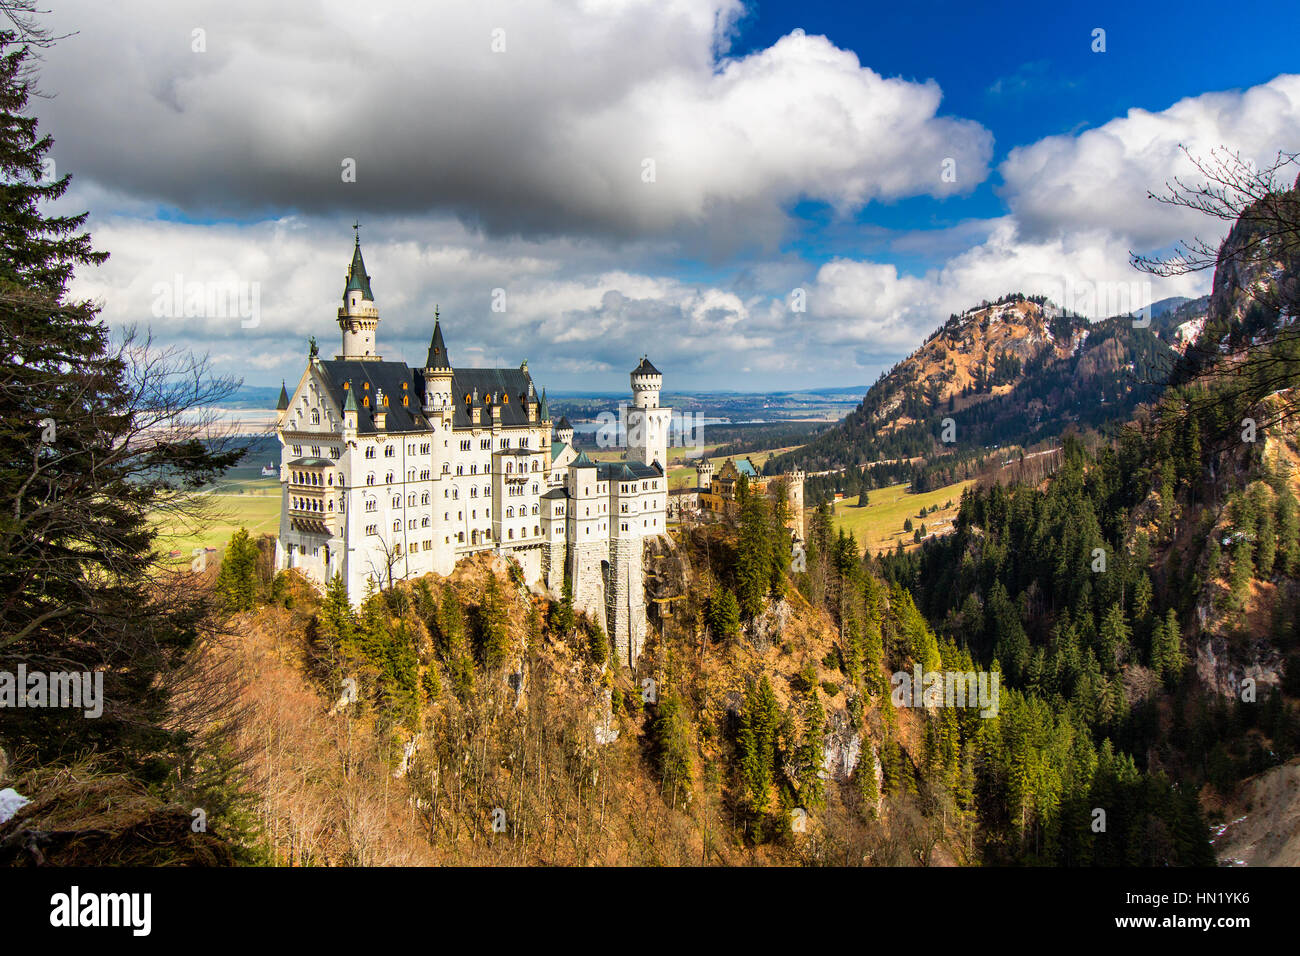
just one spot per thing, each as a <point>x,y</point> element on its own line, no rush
<point>357,278</point>
<point>437,357</point>
<point>283,403</point>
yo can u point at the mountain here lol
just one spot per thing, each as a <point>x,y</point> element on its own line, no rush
<point>1013,372</point>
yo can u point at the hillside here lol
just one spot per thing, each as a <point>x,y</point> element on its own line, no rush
<point>1018,371</point>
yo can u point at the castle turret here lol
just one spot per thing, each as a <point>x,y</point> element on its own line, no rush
<point>647,423</point>
<point>282,406</point>
<point>437,373</point>
<point>564,431</point>
<point>358,317</point>
<point>704,474</point>
<point>349,412</point>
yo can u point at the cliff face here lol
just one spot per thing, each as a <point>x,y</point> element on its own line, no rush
<point>517,740</point>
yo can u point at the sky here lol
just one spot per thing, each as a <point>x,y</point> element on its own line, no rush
<point>760,196</point>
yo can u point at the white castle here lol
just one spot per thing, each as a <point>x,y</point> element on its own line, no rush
<point>389,472</point>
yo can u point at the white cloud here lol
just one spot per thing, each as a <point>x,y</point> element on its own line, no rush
<point>545,138</point>
<point>1099,180</point>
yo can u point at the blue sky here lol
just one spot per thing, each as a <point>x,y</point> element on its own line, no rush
<point>502,148</point>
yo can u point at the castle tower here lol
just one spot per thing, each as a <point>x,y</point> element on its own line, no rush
<point>704,474</point>
<point>437,374</point>
<point>282,406</point>
<point>564,431</point>
<point>588,535</point>
<point>358,317</point>
<point>794,488</point>
<point>647,423</point>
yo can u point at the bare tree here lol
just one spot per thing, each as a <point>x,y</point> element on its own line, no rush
<point>1250,346</point>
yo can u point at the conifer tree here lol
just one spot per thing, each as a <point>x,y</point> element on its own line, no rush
<point>95,437</point>
<point>724,616</point>
<point>237,580</point>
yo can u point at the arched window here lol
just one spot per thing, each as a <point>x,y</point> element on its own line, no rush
<point>315,416</point>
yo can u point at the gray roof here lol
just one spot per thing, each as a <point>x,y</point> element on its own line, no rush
<point>388,376</point>
<point>645,368</point>
<point>357,278</point>
<point>556,493</point>
<point>563,423</point>
<point>491,381</point>
<point>626,471</point>
<point>311,463</point>
<point>437,357</point>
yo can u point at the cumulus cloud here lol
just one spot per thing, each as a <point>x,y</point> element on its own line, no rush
<point>543,128</point>
<point>1099,179</point>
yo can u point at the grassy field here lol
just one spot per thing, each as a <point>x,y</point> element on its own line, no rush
<point>252,503</point>
<point>879,526</point>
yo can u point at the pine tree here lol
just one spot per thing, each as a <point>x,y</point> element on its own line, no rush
<point>1288,533</point>
<point>236,584</point>
<point>756,744</point>
<point>671,745</point>
<point>453,644</point>
<point>493,633</point>
<point>753,557</point>
<point>94,438</point>
<point>724,616</point>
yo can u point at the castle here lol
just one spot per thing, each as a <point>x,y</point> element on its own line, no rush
<point>718,495</point>
<point>389,472</point>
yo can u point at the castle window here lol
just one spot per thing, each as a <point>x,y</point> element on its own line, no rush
<point>315,416</point>
<point>370,478</point>
<point>388,478</point>
<point>385,401</point>
<point>397,525</point>
<point>370,451</point>
<point>366,401</point>
<point>390,451</point>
